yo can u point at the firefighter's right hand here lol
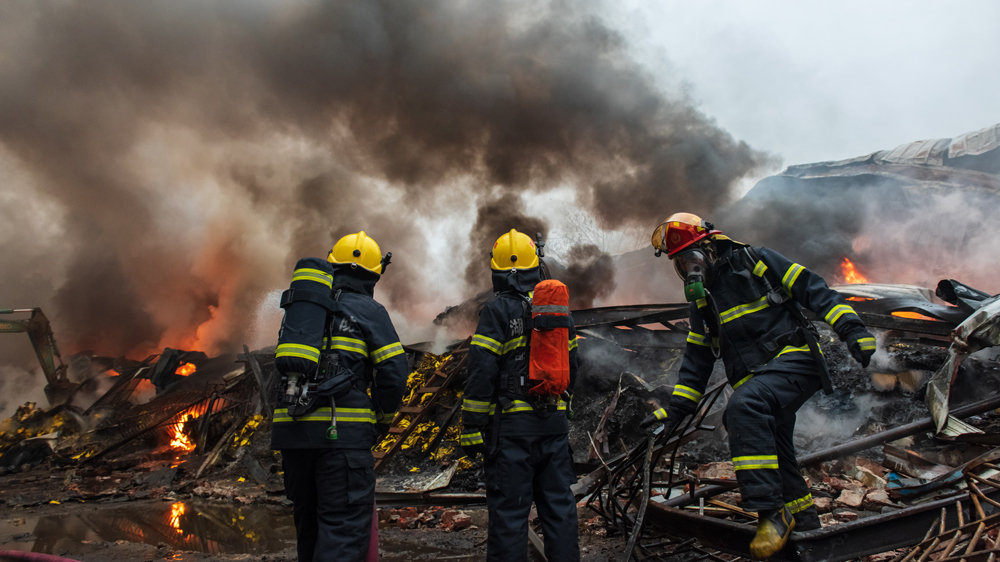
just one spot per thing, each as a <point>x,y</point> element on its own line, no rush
<point>861,344</point>
<point>472,442</point>
<point>658,416</point>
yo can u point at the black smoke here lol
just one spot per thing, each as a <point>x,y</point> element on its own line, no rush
<point>180,155</point>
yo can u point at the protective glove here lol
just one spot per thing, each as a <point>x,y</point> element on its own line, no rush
<point>657,416</point>
<point>666,416</point>
<point>472,442</point>
<point>861,344</point>
<point>383,430</point>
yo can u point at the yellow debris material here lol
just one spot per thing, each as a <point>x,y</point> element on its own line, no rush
<point>443,451</point>
<point>465,464</point>
<point>245,435</point>
<point>425,431</point>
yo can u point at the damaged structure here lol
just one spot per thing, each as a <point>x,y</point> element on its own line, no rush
<point>902,460</point>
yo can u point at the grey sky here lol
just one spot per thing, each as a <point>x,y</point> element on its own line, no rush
<point>814,81</point>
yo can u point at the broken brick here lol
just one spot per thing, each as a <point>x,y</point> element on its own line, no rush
<point>716,471</point>
<point>845,515</point>
<point>851,498</point>
<point>823,505</point>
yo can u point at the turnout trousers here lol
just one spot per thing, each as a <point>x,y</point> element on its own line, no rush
<point>760,418</point>
<point>522,469</point>
<point>334,495</point>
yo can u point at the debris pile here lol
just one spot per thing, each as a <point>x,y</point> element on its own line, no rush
<point>180,425</point>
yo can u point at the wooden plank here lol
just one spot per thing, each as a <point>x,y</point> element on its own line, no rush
<point>428,389</point>
<point>448,371</point>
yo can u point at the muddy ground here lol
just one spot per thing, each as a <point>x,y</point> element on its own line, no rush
<point>118,531</point>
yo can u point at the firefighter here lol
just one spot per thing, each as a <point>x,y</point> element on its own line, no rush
<point>745,308</point>
<point>329,469</point>
<point>523,437</point>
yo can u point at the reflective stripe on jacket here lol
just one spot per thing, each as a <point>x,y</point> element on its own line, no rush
<point>500,349</point>
<point>754,335</point>
<point>364,339</point>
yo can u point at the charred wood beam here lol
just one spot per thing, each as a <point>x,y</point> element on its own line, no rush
<point>925,424</point>
<point>258,376</point>
<point>830,544</point>
<point>221,446</point>
<point>630,315</point>
<point>123,387</point>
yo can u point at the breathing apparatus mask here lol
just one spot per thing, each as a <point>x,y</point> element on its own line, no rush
<point>693,267</point>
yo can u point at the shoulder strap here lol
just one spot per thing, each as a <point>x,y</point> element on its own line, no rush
<point>777,293</point>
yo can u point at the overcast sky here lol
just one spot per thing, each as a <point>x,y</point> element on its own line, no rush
<point>814,81</point>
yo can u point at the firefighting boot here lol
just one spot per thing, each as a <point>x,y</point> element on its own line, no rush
<point>773,528</point>
<point>807,520</point>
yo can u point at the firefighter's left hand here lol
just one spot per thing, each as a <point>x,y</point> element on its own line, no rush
<point>861,344</point>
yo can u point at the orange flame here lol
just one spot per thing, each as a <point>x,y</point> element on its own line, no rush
<point>913,315</point>
<point>176,511</point>
<point>185,369</point>
<point>180,439</point>
<point>851,274</point>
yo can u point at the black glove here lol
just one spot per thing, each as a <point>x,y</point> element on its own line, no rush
<point>472,442</point>
<point>657,416</point>
<point>861,344</point>
<point>383,430</point>
<point>668,417</point>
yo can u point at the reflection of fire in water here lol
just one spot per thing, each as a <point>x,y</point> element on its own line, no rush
<point>176,511</point>
<point>180,439</point>
<point>185,369</point>
<point>851,274</point>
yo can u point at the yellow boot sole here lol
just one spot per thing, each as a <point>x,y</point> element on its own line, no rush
<point>768,542</point>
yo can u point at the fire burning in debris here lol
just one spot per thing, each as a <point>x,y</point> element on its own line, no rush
<point>851,273</point>
<point>913,315</point>
<point>185,369</point>
<point>180,440</point>
<point>176,511</point>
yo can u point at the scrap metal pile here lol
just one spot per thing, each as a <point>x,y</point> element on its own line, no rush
<point>903,477</point>
<point>936,469</point>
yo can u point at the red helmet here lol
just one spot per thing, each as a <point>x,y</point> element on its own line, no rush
<point>679,231</point>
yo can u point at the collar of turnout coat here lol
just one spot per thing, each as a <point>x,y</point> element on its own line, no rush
<point>355,280</point>
<point>516,280</point>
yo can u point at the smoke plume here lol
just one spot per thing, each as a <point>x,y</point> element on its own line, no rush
<point>171,160</point>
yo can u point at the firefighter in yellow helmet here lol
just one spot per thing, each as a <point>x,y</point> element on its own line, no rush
<point>326,449</point>
<point>746,307</point>
<point>523,437</point>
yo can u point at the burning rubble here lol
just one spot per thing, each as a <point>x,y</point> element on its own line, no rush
<point>204,434</point>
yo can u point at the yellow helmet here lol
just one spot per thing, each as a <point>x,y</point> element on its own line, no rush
<point>357,250</point>
<point>514,249</point>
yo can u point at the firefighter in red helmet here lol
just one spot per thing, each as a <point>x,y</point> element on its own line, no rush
<point>746,307</point>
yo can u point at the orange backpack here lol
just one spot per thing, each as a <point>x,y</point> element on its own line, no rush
<point>548,365</point>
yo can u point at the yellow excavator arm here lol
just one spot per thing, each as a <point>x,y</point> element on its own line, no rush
<point>58,387</point>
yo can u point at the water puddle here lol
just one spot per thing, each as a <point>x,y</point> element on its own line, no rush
<point>188,526</point>
<point>194,526</point>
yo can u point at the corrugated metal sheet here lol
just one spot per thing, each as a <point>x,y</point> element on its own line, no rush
<point>976,142</point>
<point>927,152</point>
